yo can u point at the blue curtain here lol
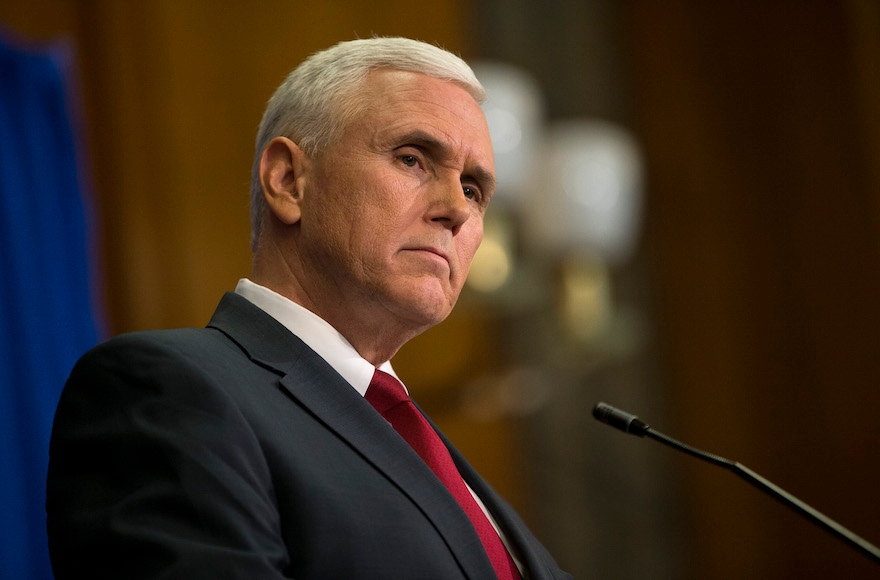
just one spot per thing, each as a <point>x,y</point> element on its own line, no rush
<point>47,278</point>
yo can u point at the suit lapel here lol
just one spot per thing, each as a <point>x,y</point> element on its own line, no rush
<point>313,383</point>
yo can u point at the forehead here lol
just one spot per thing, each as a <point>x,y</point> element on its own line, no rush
<point>399,102</point>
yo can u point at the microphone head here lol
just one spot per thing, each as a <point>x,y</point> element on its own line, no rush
<point>618,419</point>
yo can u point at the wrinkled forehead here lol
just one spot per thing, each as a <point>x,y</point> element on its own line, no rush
<point>419,99</point>
<point>383,87</point>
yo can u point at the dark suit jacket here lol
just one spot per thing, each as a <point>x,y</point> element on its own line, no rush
<point>235,451</point>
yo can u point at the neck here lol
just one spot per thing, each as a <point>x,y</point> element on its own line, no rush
<point>376,338</point>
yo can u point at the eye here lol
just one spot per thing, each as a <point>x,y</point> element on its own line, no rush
<point>409,160</point>
<point>470,192</point>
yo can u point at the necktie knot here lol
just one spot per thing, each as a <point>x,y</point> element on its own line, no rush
<point>385,392</point>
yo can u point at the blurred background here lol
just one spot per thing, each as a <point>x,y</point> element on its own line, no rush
<point>687,226</point>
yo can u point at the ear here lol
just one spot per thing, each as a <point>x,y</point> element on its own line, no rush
<point>282,176</point>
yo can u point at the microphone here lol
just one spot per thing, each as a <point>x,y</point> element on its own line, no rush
<point>629,423</point>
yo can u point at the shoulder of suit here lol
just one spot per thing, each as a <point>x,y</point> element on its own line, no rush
<point>166,344</point>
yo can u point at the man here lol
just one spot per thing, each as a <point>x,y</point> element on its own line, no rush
<point>260,447</point>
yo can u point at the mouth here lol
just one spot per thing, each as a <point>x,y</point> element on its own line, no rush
<point>431,253</point>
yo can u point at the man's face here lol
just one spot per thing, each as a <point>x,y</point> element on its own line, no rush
<point>392,212</point>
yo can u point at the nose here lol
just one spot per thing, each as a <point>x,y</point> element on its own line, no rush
<point>448,205</point>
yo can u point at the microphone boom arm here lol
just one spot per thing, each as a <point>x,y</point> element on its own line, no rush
<point>631,424</point>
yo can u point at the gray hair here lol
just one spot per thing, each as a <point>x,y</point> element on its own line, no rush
<point>318,98</point>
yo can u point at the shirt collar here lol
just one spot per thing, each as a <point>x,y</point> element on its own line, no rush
<point>316,332</point>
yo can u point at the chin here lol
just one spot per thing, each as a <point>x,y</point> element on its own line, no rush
<point>425,314</point>
<point>420,302</point>
<point>433,316</point>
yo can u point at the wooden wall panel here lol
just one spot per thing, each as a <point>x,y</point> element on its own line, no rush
<point>764,236</point>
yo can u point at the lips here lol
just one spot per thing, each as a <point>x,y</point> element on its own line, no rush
<point>439,252</point>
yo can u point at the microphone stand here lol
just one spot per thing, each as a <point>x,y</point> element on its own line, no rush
<point>629,423</point>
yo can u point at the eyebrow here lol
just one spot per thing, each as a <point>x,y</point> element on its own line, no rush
<point>427,141</point>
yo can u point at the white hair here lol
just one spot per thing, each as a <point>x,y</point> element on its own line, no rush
<point>318,98</point>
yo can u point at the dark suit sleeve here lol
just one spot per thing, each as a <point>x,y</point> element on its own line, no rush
<point>154,473</point>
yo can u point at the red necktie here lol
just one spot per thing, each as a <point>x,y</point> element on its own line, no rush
<point>389,397</point>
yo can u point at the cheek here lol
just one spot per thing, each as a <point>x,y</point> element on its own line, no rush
<point>468,245</point>
<point>341,207</point>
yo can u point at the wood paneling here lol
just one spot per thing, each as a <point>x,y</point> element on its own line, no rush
<point>764,234</point>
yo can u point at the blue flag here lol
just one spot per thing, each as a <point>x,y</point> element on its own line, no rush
<point>47,281</point>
